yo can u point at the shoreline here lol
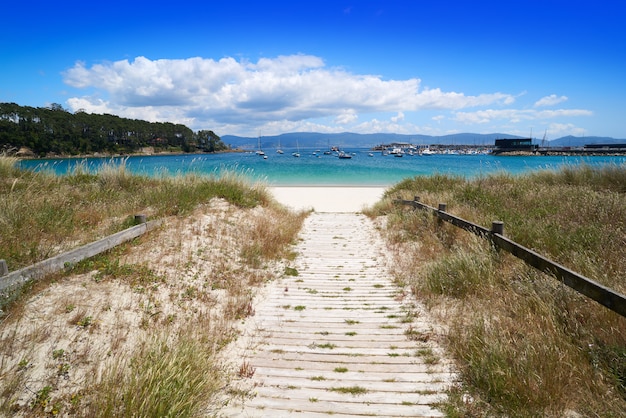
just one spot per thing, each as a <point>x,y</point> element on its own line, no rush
<point>337,199</point>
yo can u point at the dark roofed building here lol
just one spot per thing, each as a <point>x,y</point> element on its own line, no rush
<point>524,145</point>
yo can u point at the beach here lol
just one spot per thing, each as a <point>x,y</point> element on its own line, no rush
<point>328,198</point>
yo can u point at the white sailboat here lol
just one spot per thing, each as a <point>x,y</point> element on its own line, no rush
<point>260,151</point>
<point>279,151</point>
<point>297,154</point>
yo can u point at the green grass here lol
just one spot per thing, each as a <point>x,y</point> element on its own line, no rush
<point>160,380</point>
<point>351,390</point>
<point>41,213</point>
<point>525,344</point>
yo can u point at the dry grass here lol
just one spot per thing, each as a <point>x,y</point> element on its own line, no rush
<point>42,214</point>
<point>525,344</point>
<point>138,331</point>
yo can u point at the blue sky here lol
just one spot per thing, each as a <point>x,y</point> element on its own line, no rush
<point>261,68</point>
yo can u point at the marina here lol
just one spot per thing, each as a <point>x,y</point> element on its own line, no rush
<point>320,169</point>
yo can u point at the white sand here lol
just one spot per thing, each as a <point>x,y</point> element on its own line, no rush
<point>328,198</point>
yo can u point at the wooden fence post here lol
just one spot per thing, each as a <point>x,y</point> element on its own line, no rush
<point>442,208</point>
<point>497,227</point>
<point>4,269</point>
<point>140,219</point>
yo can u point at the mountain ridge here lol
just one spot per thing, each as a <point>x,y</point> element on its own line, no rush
<point>349,139</point>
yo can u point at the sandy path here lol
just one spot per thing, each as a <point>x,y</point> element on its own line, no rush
<point>340,326</point>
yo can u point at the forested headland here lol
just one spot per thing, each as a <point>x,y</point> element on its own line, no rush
<point>53,131</point>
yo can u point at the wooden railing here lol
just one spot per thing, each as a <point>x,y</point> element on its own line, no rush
<point>10,281</point>
<point>601,294</point>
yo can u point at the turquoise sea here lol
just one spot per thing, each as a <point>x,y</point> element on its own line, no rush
<point>317,169</point>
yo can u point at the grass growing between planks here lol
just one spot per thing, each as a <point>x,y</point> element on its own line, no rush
<point>140,330</point>
<point>525,344</point>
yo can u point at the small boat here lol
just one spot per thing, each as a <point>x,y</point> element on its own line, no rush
<point>370,154</point>
<point>279,151</point>
<point>260,151</point>
<point>344,155</point>
<point>297,154</point>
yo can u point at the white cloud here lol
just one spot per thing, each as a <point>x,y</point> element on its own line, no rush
<point>550,100</point>
<point>241,96</point>
<point>346,118</point>
<point>516,115</point>
<point>398,117</point>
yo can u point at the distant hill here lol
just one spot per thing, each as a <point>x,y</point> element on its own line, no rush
<point>576,141</point>
<point>347,140</point>
<point>353,140</point>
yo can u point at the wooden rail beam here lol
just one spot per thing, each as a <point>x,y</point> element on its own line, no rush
<point>15,279</point>
<point>601,294</point>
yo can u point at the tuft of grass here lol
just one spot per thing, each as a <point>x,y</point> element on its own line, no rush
<point>164,380</point>
<point>328,346</point>
<point>351,390</point>
<point>290,271</point>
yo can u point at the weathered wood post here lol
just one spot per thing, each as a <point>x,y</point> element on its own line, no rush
<point>4,269</point>
<point>416,200</point>
<point>497,227</point>
<point>140,219</point>
<point>441,208</point>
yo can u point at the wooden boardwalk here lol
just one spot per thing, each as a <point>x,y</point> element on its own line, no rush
<point>339,338</point>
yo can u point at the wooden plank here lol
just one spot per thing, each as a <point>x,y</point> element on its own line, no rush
<point>301,355</point>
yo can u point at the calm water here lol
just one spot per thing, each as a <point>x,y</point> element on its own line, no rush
<point>310,170</point>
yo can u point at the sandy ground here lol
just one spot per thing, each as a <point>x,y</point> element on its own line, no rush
<point>328,199</point>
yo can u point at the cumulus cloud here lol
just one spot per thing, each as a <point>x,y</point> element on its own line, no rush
<point>398,117</point>
<point>294,89</point>
<point>550,100</point>
<point>346,117</point>
<point>516,115</point>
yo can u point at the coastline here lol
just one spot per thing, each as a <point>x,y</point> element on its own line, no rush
<point>337,199</point>
<point>26,156</point>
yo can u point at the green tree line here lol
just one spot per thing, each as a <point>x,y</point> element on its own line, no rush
<point>53,130</point>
